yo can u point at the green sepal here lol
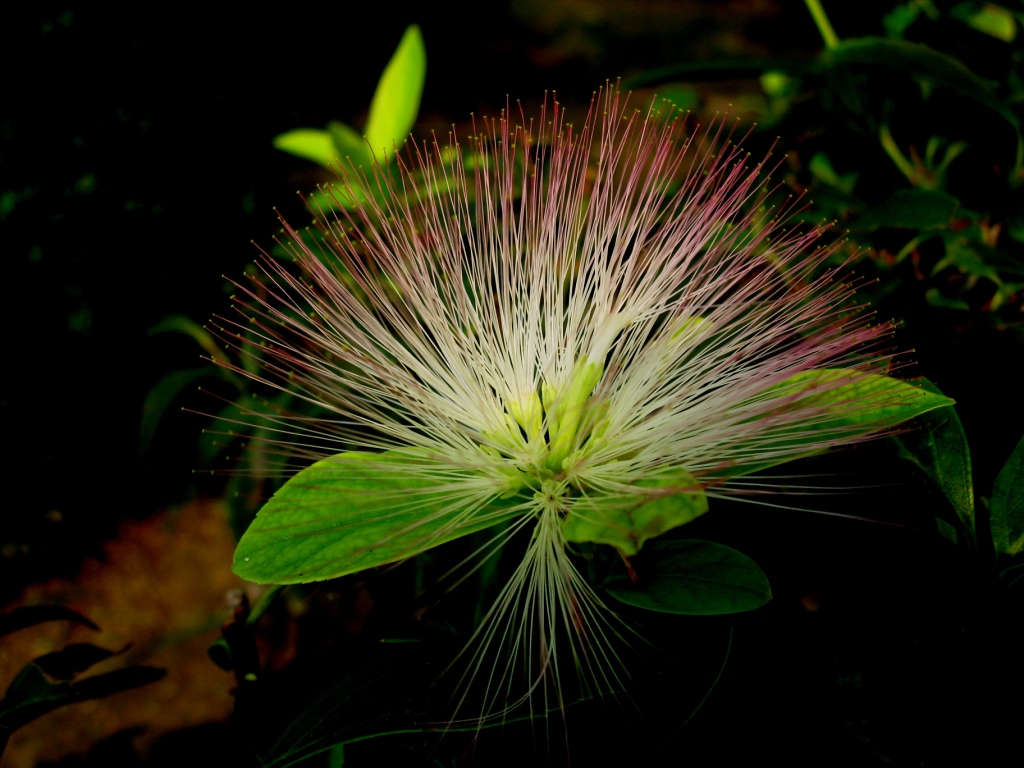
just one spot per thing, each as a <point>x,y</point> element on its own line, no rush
<point>627,522</point>
<point>360,510</point>
<point>693,577</point>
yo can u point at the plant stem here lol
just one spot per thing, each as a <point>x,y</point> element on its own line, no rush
<point>821,21</point>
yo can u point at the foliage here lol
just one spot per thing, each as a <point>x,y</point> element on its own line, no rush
<point>912,142</point>
<point>48,682</point>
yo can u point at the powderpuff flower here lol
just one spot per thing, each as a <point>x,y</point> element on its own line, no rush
<point>580,332</point>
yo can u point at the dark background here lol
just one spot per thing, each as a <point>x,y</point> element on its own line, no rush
<point>135,169</point>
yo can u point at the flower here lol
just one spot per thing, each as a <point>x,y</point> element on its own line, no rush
<point>584,332</point>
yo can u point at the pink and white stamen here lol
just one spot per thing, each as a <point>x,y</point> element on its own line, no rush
<point>552,312</point>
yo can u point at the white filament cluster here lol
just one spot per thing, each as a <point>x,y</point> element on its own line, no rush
<point>548,311</point>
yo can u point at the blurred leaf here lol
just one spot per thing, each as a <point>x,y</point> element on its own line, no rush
<point>355,511</point>
<point>693,577</point>
<point>899,19</point>
<point>921,63</point>
<point>1007,505</point>
<point>349,145</point>
<point>919,209</point>
<point>189,327</point>
<point>309,143</point>
<point>934,297</point>
<point>163,393</point>
<point>679,499</point>
<point>714,69</point>
<point>821,167</point>
<point>31,615</point>
<point>939,448</point>
<point>683,97</point>
<point>776,83</point>
<point>396,102</point>
<point>990,19</point>
<point>72,659</point>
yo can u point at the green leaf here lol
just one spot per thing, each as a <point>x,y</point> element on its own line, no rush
<point>199,334</point>
<point>921,63</point>
<point>675,499</point>
<point>939,448</point>
<point>309,143</point>
<point>851,403</point>
<point>32,694</point>
<point>162,395</point>
<point>349,145</point>
<point>919,209</point>
<point>1007,506</point>
<point>821,167</point>
<point>693,577</point>
<point>989,19</point>
<point>934,297</point>
<point>396,102</point>
<point>72,659</point>
<point>359,510</point>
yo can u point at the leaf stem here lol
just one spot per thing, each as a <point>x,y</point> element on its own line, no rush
<point>823,24</point>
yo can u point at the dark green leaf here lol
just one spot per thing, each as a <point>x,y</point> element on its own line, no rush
<point>189,327</point>
<point>32,694</point>
<point>162,395</point>
<point>939,448</point>
<point>1007,506</point>
<point>919,209</point>
<point>31,615</point>
<point>676,499</point>
<point>714,69</point>
<point>693,577</point>
<point>921,63</point>
<point>360,510</point>
<point>72,659</point>
<point>98,686</point>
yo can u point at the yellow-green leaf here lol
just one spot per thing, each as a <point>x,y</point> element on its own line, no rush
<point>359,510</point>
<point>310,143</point>
<point>672,500</point>
<point>396,102</point>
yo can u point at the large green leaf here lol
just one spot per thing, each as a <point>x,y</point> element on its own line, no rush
<point>396,102</point>
<point>939,448</point>
<point>851,403</point>
<point>693,577</point>
<point>678,499</point>
<point>1008,505</point>
<point>355,511</point>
